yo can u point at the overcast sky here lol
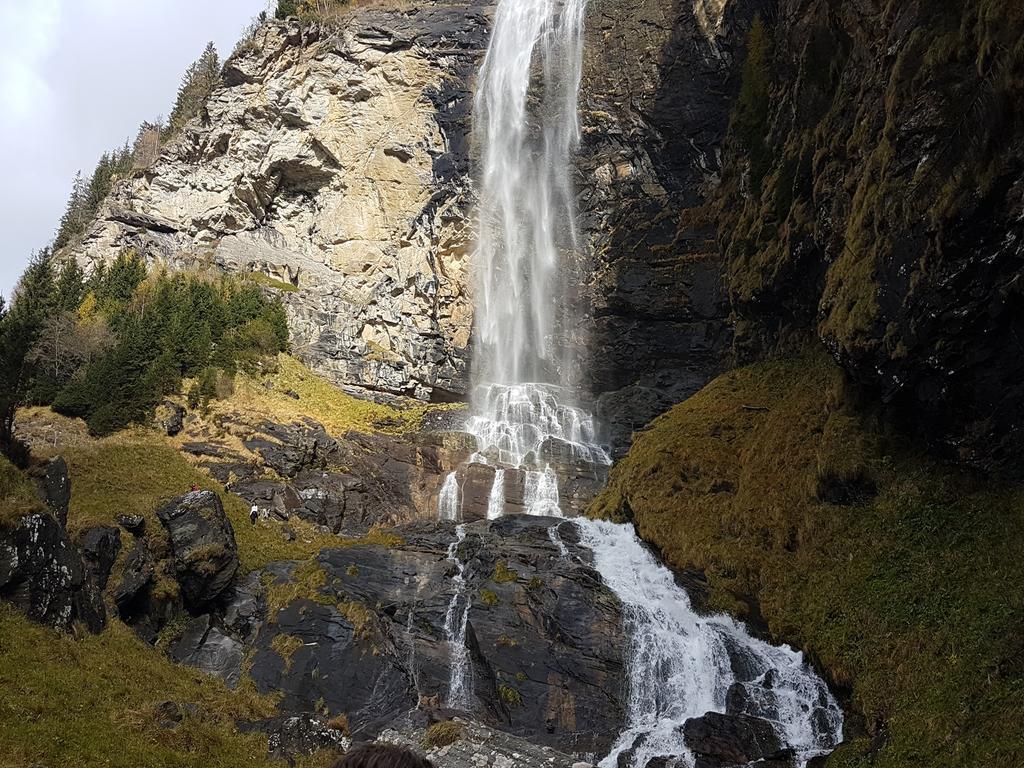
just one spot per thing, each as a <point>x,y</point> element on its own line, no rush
<point>76,78</point>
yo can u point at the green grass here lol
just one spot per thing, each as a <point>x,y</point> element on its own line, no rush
<point>912,600</point>
<point>442,734</point>
<point>17,495</point>
<point>92,702</point>
<point>503,574</point>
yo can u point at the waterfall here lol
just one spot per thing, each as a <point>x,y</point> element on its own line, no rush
<point>460,676</point>
<point>526,210</point>
<point>681,665</point>
<point>449,501</point>
<point>525,418</point>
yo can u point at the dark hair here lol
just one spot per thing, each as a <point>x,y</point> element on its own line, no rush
<point>382,756</point>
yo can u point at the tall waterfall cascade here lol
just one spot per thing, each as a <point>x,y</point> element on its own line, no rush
<point>528,423</point>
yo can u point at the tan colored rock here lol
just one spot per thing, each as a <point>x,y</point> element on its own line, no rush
<point>314,164</point>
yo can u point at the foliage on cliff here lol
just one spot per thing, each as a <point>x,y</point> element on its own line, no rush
<point>871,193</point>
<point>109,348</point>
<point>308,10</point>
<point>898,574</point>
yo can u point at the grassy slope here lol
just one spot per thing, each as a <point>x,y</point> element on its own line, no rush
<point>318,400</point>
<point>17,496</point>
<point>91,702</point>
<point>912,600</point>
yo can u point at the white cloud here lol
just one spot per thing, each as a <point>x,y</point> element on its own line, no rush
<point>76,79</point>
<point>27,35</point>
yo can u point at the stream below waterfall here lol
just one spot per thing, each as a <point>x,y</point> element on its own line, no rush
<point>679,665</point>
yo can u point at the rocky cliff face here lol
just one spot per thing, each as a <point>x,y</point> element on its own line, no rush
<point>875,196</point>
<point>334,162</point>
<point>659,80</point>
<point>338,164</point>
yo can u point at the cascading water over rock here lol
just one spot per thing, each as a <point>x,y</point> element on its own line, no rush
<point>680,665</point>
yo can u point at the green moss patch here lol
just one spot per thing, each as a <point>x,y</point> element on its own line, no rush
<point>900,575</point>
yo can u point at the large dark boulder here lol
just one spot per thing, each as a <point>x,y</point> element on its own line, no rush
<point>42,573</point>
<point>99,547</point>
<point>53,485</point>
<point>136,578</point>
<point>544,635</point>
<point>205,646</point>
<point>202,545</point>
<point>732,739</point>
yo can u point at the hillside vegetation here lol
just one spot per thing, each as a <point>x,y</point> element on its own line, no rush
<point>899,575</point>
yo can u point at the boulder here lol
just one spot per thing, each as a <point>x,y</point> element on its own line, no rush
<point>42,573</point>
<point>136,577</point>
<point>171,416</point>
<point>731,739</point>
<point>204,646</point>
<point>301,735</point>
<point>99,547</point>
<point>134,524</point>
<point>53,486</point>
<point>202,545</point>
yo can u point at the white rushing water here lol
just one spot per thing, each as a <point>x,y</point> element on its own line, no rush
<point>679,665</point>
<point>460,679</point>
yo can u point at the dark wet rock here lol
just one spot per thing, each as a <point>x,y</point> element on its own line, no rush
<point>202,544</point>
<point>731,739</point>
<point>347,485</point>
<point>245,607</point>
<point>136,578</point>
<point>53,486</point>
<point>657,92</point>
<point>134,524</point>
<point>544,634</point>
<point>204,646</point>
<point>42,573</point>
<point>289,448</point>
<point>100,547</point>
<point>171,416</point>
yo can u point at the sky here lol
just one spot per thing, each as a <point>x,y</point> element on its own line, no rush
<point>77,77</point>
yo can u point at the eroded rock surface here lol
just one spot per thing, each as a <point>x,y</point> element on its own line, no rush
<point>360,631</point>
<point>42,574</point>
<point>202,544</point>
<point>333,162</point>
<point>658,87</point>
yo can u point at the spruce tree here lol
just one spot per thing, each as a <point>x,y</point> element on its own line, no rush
<point>197,84</point>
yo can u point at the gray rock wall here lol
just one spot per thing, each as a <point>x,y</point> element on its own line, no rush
<point>339,163</point>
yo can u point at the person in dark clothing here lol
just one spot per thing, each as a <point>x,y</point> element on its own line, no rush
<point>382,756</point>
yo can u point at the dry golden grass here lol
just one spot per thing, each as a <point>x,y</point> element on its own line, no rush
<point>318,400</point>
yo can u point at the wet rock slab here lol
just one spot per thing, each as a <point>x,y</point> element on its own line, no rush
<point>360,631</point>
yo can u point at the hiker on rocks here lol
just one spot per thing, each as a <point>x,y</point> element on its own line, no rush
<point>254,514</point>
<point>382,756</point>
<point>194,488</point>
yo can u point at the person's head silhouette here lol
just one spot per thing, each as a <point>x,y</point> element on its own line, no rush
<point>382,756</point>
